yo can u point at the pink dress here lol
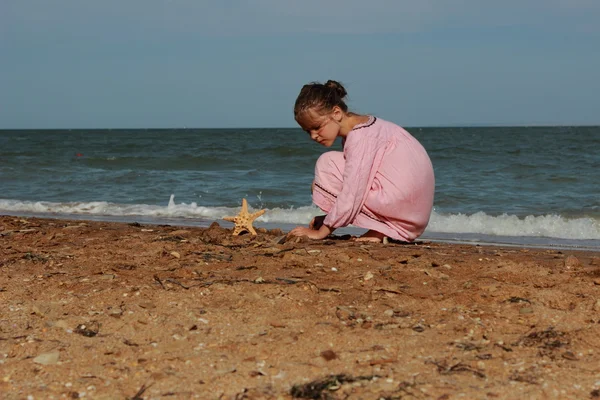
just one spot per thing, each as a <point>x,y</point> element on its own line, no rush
<point>383,180</point>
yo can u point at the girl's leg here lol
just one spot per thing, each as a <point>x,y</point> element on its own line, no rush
<point>371,236</point>
<point>329,179</point>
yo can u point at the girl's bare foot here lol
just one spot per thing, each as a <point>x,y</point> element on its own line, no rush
<point>371,236</point>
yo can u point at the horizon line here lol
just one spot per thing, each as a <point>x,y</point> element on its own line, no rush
<point>483,125</point>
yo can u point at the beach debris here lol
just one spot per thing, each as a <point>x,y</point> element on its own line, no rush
<point>243,221</point>
<point>572,262</point>
<point>319,389</point>
<point>279,239</point>
<point>446,368</point>
<point>328,355</point>
<point>89,329</point>
<point>138,395</point>
<point>49,358</point>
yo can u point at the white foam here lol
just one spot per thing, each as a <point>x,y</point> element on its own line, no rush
<point>550,226</point>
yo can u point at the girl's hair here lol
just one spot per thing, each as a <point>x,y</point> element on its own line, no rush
<point>320,97</point>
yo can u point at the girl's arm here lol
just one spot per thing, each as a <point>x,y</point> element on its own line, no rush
<point>363,158</point>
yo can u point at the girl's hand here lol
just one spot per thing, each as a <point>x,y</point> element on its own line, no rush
<point>317,222</point>
<point>321,233</point>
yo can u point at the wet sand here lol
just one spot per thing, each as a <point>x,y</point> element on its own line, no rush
<point>109,310</point>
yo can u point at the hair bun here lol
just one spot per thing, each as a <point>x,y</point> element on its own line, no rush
<point>339,89</point>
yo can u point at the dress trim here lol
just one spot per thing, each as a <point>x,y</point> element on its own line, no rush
<point>367,124</point>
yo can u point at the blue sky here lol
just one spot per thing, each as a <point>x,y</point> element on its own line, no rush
<point>232,63</point>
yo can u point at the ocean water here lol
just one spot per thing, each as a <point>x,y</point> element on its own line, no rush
<point>536,186</point>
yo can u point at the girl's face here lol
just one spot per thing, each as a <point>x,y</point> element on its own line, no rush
<point>323,129</point>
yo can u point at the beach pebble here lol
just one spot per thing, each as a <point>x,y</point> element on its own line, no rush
<point>49,358</point>
<point>328,355</point>
<point>180,232</point>
<point>62,324</point>
<point>572,262</point>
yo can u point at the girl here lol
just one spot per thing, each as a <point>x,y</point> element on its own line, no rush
<point>383,180</point>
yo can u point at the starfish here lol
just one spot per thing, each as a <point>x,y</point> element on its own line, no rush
<point>243,221</point>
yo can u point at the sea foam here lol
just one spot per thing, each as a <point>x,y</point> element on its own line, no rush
<point>545,226</point>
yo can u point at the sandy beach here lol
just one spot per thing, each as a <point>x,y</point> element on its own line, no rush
<point>108,310</point>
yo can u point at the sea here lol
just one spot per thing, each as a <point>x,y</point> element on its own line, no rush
<point>534,186</point>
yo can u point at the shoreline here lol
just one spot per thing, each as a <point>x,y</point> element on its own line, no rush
<point>102,310</point>
<point>533,242</point>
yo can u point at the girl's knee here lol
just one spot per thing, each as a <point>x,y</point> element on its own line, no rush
<point>329,161</point>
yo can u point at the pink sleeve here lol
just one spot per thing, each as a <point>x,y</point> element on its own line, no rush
<point>363,158</point>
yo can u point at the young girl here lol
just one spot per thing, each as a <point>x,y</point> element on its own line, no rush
<point>383,180</point>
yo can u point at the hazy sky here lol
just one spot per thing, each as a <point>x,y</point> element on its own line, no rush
<point>232,63</point>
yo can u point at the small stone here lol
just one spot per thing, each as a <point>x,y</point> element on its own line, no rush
<point>447,266</point>
<point>50,358</point>
<point>328,355</point>
<point>260,279</point>
<point>314,252</point>
<point>572,262</point>
<point>388,313</point>
<point>596,281</point>
<point>526,310</point>
<point>179,232</point>
<point>35,310</point>
<point>368,276</point>
<point>175,254</point>
<point>62,324</point>
<point>596,306</point>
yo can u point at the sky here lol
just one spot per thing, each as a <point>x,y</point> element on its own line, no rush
<point>232,63</point>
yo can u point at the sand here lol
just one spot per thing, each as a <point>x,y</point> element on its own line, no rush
<point>127,311</point>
